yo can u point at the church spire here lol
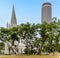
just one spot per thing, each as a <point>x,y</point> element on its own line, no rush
<point>7,25</point>
<point>13,18</point>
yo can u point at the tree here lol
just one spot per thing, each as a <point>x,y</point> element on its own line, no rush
<point>27,32</point>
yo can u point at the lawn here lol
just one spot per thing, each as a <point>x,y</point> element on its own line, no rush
<point>26,56</point>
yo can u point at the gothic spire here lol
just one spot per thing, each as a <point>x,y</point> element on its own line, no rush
<point>13,18</point>
<point>7,25</point>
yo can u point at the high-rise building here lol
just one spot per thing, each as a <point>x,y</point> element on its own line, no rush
<point>46,12</point>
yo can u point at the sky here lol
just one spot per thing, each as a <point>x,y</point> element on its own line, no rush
<point>26,10</point>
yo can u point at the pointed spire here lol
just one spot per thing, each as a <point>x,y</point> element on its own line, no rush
<point>13,18</point>
<point>7,25</point>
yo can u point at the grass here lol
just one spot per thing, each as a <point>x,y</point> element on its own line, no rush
<point>27,56</point>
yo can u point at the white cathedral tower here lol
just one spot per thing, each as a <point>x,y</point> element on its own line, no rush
<point>13,22</point>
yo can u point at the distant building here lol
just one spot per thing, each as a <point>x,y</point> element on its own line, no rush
<point>13,22</point>
<point>46,12</point>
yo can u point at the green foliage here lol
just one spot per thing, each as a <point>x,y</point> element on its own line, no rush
<point>29,51</point>
<point>48,39</point>
<point>1,46</point>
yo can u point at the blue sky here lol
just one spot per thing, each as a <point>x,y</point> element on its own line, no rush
<point>26,10</point>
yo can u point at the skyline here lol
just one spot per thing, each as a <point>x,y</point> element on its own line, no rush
<point>26,10</point>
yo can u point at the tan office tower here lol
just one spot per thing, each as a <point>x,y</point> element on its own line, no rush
<point>46,12</point>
